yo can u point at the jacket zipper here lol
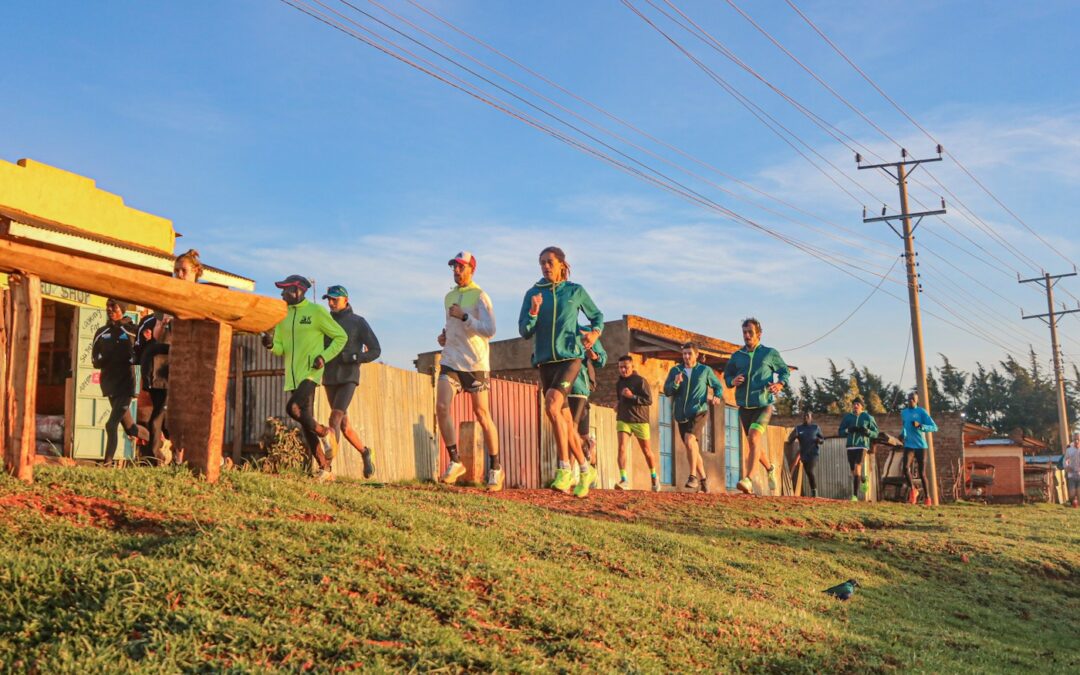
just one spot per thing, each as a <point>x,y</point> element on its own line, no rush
<point>749,372</point>
<point>686,398</point>
<point>292,352</point>
<point>554,314</point>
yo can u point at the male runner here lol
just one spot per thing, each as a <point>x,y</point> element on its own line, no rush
<point>465,366</point>
<point>861,429</point>
<point>578,400</point>
<point>758,373</point>
<point>810,439</point>
<point>342,375</point>
<point>695,387</point>
<point>1072,470</point>
<point>632,419</point>
<point>111,351</point>
<point>300,339</point>
<point>917,423</point>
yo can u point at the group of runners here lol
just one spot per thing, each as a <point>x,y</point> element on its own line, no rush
<point>327,345</point>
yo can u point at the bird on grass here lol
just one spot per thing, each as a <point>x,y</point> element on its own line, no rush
<point>844,590</point>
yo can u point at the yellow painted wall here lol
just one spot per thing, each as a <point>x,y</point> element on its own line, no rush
<point>75,201</point>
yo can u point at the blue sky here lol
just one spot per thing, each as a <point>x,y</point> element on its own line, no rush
<point>279,145</point>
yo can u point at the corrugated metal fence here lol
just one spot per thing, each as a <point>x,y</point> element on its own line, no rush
<point>516,413</point>
<point>834,475</point>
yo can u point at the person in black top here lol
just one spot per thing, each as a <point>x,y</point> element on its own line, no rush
<point>632,419</point>
<point>810,439</point>
<point>342,374</point>
<point>111,352</point>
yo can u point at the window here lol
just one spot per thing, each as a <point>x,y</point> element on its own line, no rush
<point>667,440</point>
<point>707,444</point>
<point>732,447</point>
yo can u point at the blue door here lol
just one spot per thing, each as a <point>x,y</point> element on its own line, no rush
<point>732,447</point>
<point>667,456</point>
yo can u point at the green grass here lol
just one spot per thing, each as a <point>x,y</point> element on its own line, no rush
<point>164,573</point>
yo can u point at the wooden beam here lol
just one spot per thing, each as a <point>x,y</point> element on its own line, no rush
<point>5,325</point>
<point>242,311</point>
<point>238,404</point>
<point>198,386</point>
<point>21,377</point>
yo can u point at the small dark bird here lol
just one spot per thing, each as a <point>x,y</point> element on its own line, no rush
<point>844,590</point>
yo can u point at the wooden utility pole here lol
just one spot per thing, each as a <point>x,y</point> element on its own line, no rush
<point>899,171</point>
<point>1048,281</point>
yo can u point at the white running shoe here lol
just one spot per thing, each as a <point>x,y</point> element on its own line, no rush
<point>454,471</point>
<point>745,486</point>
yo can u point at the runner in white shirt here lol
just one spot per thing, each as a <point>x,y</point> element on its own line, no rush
<point>466,367</point>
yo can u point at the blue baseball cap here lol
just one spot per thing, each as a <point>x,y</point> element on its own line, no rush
<point>336,291</point>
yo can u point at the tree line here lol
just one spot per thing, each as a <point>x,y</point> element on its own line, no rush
<point>1006,397</point>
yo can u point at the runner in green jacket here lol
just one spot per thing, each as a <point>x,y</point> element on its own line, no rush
<point>300,339</point>
<point>694,388</point>
<point>758,373</point>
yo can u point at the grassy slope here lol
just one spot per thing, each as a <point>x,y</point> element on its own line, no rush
<point>263,572</point>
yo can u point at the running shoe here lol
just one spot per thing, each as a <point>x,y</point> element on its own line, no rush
<point>494,480</point>
<point>913,496</point>
<point>745,486</point>
<point>324,476</point>
<point>864,487</point>
<point>772,477</point>
<point>454,471</point>
<point>854,498</point>
<point>705,485</point>
<point>587,480</point>
<point>693,483</point>
<point>369,462</point>
<point>928,502</point>
<point>330,445</point>
<point>563,480</point>
<point>623,484</point>
<point>656,485</point>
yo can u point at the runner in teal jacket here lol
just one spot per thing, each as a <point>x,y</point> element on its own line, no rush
<point>693,387</point>
<point>861,429</point>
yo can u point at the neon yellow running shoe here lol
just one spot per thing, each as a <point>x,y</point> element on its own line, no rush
<point>564,478</point>
<point>587,480</point>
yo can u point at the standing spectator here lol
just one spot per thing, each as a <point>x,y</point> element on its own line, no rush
<point>1072,469</point>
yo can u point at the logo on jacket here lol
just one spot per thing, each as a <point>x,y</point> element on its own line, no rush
<point>305,320</point>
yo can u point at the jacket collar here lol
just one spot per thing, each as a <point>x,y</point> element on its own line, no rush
<point>348,311</point>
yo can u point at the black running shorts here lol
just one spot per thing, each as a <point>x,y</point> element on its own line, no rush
<point>755,418</point>
<point>694,426</point>
<point>559,375</point>
<point>340,395</point>
<point>855,457</point>
<point>472,382</point>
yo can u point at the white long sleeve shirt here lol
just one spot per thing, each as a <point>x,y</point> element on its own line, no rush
<point>466,347</point>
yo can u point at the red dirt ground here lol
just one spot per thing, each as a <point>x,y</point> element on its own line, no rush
<point>87,511</point>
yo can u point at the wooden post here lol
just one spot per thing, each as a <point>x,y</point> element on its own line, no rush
<point>5,325</point>
<point>24,331</point>
<point>198,385</point>
<point>238,404</point>
<point>471,451</point>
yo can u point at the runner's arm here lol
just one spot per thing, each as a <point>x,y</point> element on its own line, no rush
<point>926,423</point>
<point>713,382</point>
<point>527,321</point>
<point>871,427</point>
<point>645,397</point>
<point>730,372</point>
<point>368,341</point>
<point>592,313</point>
<point>96,357</point>
<point>333,330</point>
<point>669,385</point>
<point>779,366</point>
<point>481,320</point>
<point>278,348</point>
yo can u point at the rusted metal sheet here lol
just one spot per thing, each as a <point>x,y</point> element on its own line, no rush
<point>834,476</point>
<point>516,412</point>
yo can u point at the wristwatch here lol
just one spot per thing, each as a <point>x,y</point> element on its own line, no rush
<point>465,316</point>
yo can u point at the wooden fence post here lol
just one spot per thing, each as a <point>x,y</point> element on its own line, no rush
<point>24,331</point>
<point>471,451</point>
<point>238,404</point>
<point>198,386</point>
<point>5,326</point>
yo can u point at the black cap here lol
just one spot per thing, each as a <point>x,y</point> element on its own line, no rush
<point>294,280</point>
<point>119,303</point>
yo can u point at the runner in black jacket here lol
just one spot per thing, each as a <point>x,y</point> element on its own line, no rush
<point>342,374</point>
<point>111,352</point>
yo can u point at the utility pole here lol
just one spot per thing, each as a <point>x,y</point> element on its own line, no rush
<point>1048,281</point>
<point>899,172</point>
